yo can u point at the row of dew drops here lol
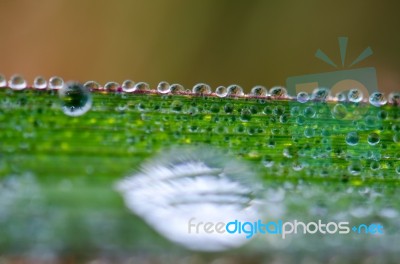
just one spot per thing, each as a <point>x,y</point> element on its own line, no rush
<point>17,82</point>
<point>76,98</point>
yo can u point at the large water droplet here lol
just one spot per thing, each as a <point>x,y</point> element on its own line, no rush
<point>111,86</point>
<point>259,91</point>
<point>3,81</point>
<point>75,98</point>
<point>163,87</point>
<point>128,86</point>
<point>309,112</point>
<point>221,91</point>
<point>278,92</point>
<point>377,99</point>
<point>17,82</point>
<point>320,94</point>
<point>141,87</point>
<point>303,97</point>
<point>193,185</point>
<point>235,90</point>
<point>341,97</point>
<point>352,138</point>
<point>176,88</point>
<point>373,139</point>
<point>56,82</point>
<point>40,83</point>
<point>201,88</point>
<point>355,95</point>
<point>92,85</point>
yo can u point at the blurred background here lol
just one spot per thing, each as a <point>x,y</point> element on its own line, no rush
<point>218,42</point>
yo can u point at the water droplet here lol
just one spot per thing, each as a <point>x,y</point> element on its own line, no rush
<point>394,98</point>
<point>245,114</point>
<point>341,97</point>
<point>300,120</point>
<point>91,85</point>
<point>339,111</point>
<point>375,165</point>
<point>111,86</point>
<point>355,168</point>
<point>128,86</point>
<point>228,108</point>
<point>163,87</point>
<point>17,82</point>
<point>177,105</point>
<point>201,88</point>
<point>352,138</point>
<point>40,83</point>
<point>259,91</point>
<point>193,185</point>
<point>303,97</point>
<point>235,90</point>
<point>373,139</point>
<point>3,81</point>
<point>398,169</point>
<point>278,92</point>
<point>177,88</point>
<point>141,87</point>
<point>320,94</point>
<point>309,132</point>
<point>377,99</point>
<point>221,91</point>
<point>75,98</point>
<point>309,112</point>
<point>355,95</point>
<point>56,82</point>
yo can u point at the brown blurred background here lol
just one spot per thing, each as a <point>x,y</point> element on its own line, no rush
<point>186,41</point>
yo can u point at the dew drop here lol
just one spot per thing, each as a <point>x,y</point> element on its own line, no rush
<point>111,86</point>
<point>398,169</point>
<point>228,108</point>
<point>3,81</point>
<point>128,86</point>
<point>373,139</point>
<point>235,90</point>
<point>17,82</point>
<point>56,83</point>
<point>355,168</point>
<point>377,99</point>
<point>177,105</point>
<point>320,94</point>
<point>309,112</point>
<point>355,95</point>
<point>176,88</point>
<point>394,98</point>
<point>339,111</point>
<point>75,98</point>
<point>40,83</point>
<point>303,97</point>
<point>91,85</point>
<point>221,91</point>
<point>193,184</point>
<point>201,88</point>
<point>309,132</point>
<point>375,165</point>
<point>163,87</point>
<point>245,114</point>
<point>141,87</point>
<point>278,92</point>
<point>341,97</point>
<point>259,91</point>
<point>352,138</point>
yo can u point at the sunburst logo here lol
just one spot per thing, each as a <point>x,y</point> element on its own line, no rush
<point>339,81</point>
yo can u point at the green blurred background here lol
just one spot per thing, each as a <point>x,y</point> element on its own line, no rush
<point>214,41</point>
